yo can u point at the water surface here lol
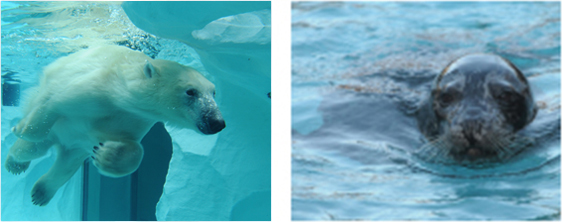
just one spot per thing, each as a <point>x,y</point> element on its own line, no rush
<point>358,71</point>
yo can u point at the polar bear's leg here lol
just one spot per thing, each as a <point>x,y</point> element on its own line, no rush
<point>36,125</point>
<point>22,152</point>
<point>118,158</point>
<point>67,163</point>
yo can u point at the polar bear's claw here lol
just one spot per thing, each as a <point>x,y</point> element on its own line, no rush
<point>41,194</point>
<point>16,167</point>
<point>117,158</point>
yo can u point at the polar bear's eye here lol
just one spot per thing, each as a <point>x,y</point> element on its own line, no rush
<point>214,93</point>
<point>191,92</point>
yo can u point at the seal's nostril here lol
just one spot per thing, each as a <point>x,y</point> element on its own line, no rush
<point>470,128</point>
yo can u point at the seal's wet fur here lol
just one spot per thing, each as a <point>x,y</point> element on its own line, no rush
<point>476,106</point>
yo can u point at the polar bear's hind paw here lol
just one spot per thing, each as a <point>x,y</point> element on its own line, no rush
<point>16,167</point>
<point>41,194</point>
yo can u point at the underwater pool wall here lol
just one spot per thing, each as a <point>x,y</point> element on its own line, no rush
<point>133,197</point>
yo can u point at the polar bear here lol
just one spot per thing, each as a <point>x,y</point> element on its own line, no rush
<point>99,103</point>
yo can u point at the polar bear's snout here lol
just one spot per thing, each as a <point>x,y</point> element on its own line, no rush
<point>213,126</point>
<point>211,122</point>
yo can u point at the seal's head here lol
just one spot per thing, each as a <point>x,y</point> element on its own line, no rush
<point>476,106</point>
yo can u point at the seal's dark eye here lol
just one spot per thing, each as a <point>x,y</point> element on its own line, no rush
<point>446,99</point>
<point>191,92</point>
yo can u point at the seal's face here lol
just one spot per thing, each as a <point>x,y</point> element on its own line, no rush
<point>479,102</point>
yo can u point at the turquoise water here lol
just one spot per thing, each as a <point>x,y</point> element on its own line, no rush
<point>225,176</point>
<point>358,71</point>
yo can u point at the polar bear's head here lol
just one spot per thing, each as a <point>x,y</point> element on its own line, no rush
<point>180,95</point>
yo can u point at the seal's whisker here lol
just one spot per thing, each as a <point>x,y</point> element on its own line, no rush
<point>444,148</point>
<point>504,146</point>
<point>435,149</point>
<point>500,148</point>
<point>429,149</point>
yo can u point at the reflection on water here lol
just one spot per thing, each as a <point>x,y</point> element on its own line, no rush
<point>360,69</point>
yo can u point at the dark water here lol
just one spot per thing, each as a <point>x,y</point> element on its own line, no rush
<point>358,71</point>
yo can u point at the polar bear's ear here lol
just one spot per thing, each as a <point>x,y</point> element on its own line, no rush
<point>149,70</point>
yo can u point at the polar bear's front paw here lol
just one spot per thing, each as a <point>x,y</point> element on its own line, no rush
<point>30,132</point>
<point>42,193</point>
<point>16,167</point>
<point>117,158</point>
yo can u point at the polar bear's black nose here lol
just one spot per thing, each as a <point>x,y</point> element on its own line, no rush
<point>216,125</point>
<point>211,125</point>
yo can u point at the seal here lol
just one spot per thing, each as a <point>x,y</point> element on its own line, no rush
<point>476,106</point>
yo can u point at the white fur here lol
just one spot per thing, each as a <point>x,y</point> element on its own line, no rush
<point>106,97</point>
